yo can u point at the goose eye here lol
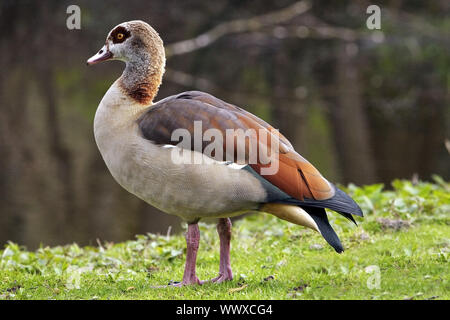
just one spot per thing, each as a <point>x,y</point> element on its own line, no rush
<point>119,35</point>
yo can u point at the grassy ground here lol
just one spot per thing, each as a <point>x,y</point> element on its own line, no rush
<point>398,251</point>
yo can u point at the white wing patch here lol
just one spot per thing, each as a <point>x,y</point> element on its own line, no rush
<point>236,166</point>
<point>232,165</point>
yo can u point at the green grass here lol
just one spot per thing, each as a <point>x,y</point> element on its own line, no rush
<point>271,259</point>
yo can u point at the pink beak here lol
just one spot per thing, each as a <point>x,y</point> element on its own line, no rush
<point>103,55</point>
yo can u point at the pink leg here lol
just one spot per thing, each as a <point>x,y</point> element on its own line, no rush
<point>192,240</point>
<point>224,230</point>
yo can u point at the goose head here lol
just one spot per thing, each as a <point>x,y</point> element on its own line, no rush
<point>138,45</point>
<point>129,42</point>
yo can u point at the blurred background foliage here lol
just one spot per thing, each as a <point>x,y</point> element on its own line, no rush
<point>364,106</point>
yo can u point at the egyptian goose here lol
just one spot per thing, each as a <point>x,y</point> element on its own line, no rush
<point>136,140</point>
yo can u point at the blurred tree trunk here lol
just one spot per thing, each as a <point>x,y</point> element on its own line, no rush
<point>350,125</point>
<point>15,150</point>
<point>432,131</point>
<point>57,148</point>
<point>287,113</point>
<point>59,153</point>
<point>8,216</point>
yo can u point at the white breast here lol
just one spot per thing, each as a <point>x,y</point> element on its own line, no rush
<point>190,191</point>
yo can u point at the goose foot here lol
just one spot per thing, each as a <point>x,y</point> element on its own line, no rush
<point>194,281</point>
<point>222,277</point>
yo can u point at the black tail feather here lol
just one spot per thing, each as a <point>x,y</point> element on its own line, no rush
<point>320,217</point>
<point>340,202</point>
<point>348,216</point>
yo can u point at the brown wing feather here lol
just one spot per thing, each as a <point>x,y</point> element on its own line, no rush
<point>295,176</point>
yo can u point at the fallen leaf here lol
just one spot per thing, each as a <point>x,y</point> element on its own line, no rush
<point>364,236</point>
<point>316,246</point>
<point>393,223</point>
<point>152,269</point>
<point>14,289</point>
<point>301,287</point>
<point>281,263</point>
<point>238,289</point>
<point>271,277</point>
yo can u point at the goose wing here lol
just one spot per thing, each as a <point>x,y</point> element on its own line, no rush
<point>295,175</point>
